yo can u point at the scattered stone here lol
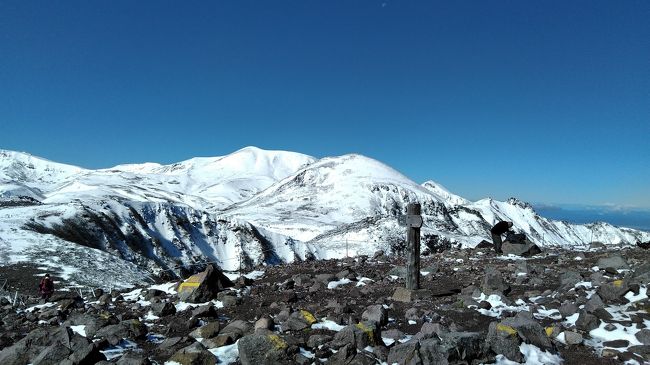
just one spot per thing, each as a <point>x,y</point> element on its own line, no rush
<point>643,336</point>
<point>616,262</point>
<point>209,330</point>
<point>493,282</point>
<point>299,321</point>
<point>616,343</point>
<point>204,286</point>
<point>193,354</point>
<point>259,349</point>
<point>503,339</point>
<point>587,322</point>
<point>163,309</point>
<point>375,313</point>
<point>572,338</point>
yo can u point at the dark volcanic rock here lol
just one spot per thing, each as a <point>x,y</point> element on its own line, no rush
<point>259,349</point>
<point>203,287</point>
<point>194,354</point>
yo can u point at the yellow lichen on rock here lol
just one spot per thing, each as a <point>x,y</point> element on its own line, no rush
<point>308,317</point>
<point>367,330</point>
<point>507,329</point>
<point>277,342</point>
<point>618,283</point>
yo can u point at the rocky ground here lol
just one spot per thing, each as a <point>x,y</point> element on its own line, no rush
<point>474,307</point>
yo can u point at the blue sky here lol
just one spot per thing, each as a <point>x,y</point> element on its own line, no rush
<point>546,101</point>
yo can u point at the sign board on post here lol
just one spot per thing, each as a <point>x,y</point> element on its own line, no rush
<point>410,220</point>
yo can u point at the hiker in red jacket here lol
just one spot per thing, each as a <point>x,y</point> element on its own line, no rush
<point>46,287</point>
<point>499,229</point>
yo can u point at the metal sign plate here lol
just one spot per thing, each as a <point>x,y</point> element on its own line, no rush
<point>414,221</point>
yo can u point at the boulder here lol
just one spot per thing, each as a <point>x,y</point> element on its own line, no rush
<point>525,249</point>
<point>504,340</point>
<point>53,354</point>
<point>163,309</point>
<point>572,338</point>
<point>594,303</point>
<point>568,309</point>
<point>257,349</point>
<point>568,280</point>
<point>299,321</point>
<point>133,358</point>
<point>131,329</point>
<point>204,286</point>
<point>207,331</point>
<point>375,313</point>
<point>493,282</point>
<point>28,348</point>
<point>643,336</point>
<point>236,328</point>
<point>614,261</point>
<point>194,354</point>
<point>613,292</point>
<point>529,330</point>
<point>360,335</point>
<point>587,322</point>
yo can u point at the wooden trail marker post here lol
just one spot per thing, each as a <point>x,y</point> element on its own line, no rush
<point>413,220</point>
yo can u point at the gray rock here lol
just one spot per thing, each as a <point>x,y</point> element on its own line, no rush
<point>614,261</point>
<point>393,333</point>
<point>207,331</point>
<point>87,353</point>
<point>529,330</point>
<point>194,354</point>
<point>616,343</point>
<point>572,338</point>
<point>28,348</point>
<point>594,303</point>
<point>299,321</point>
<point>260,349</point>
<point>132,329</point>
<point>587,322</point>
<point>325,278</point>
<point>163,309</point>
<point>264,323</point>
<point>602,314</point>
<point>204,286</point>
<point>526,249</point>
<point>613,292</point>
<point>229,301</point>
<point>504,340</point>
<point>236,327</point>
<point>568,280</point>
<point>359,335</point>
<point>405,353</point>
<point>375,313</point>
<point>133,358</point>
<point>205,311</point>
<point>643,336</point>
<point>317,340</point>
<point>453,347</point>
<point>568,309</point>
<point>399,271</point>
<point>493,282</point>
<point>52,355</point>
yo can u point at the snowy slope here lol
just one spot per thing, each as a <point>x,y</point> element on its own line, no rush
<point>253,206</point>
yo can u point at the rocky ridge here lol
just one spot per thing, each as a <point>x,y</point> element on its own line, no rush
<point>575,307</point>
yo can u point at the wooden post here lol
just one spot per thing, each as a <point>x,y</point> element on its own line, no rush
<point>413,235</point>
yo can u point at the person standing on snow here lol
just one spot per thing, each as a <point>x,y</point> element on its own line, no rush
<point>499,229</point>
<point>46,287</point>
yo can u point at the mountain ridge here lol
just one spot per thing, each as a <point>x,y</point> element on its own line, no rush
<point>251,206</point>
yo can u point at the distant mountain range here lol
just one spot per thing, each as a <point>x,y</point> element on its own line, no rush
<point>637,218</point>
<point>249,207</point>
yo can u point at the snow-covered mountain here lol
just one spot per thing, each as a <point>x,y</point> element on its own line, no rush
<point>250,207</point>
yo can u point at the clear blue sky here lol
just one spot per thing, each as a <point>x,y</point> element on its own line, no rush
<point>548,101</point>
